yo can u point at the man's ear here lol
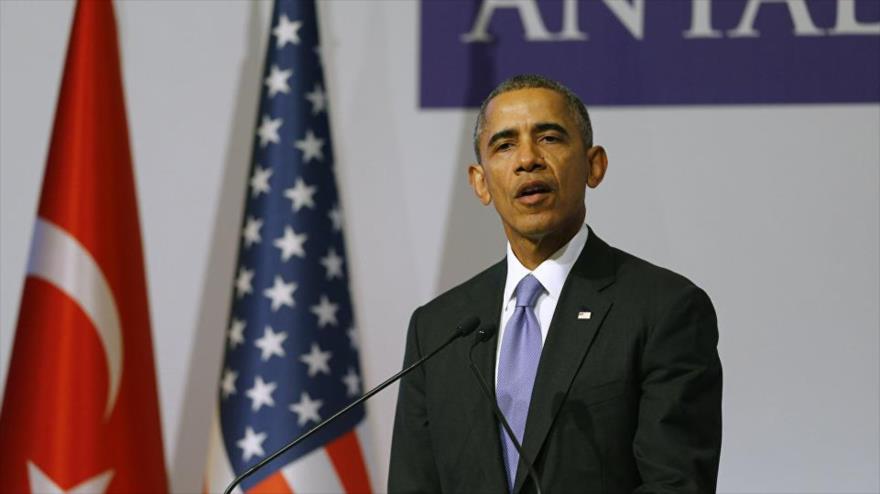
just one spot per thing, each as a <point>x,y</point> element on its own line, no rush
<point>597,161</point>
<point>477,179</point>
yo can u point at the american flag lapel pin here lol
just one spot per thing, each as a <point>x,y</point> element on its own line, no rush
<point>584,314</point>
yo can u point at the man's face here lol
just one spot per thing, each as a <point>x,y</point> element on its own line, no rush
<point>535,167</point>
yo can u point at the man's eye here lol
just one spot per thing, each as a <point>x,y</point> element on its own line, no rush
<point>504,146</point>
<point>550,138</point>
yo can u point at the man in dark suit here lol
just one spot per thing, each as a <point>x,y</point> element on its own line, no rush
<point>604,364</point>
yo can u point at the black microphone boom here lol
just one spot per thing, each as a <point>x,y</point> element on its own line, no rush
<point>465,327</point>
<point>483,334</point>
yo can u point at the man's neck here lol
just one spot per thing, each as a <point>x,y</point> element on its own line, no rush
<point>531,252</point>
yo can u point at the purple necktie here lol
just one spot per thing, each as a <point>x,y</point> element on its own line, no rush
<point>517,366</point>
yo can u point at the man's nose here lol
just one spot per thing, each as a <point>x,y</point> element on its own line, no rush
<point>530,158</point>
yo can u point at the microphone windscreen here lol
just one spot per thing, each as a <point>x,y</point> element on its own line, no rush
<point>487,331</point>
<point>467,325</point>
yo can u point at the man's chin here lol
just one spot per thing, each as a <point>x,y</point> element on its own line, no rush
<point>542,225</point>
<point>535,227</point>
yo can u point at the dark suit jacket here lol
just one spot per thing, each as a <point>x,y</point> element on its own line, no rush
<point>626,401</point>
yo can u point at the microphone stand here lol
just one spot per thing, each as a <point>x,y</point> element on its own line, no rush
<point>482,335</point>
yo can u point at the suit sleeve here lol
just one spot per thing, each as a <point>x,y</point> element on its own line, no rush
<point>412,467</point>
<point>678,440</point>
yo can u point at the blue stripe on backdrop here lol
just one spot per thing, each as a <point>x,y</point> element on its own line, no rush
<point>655,52</point>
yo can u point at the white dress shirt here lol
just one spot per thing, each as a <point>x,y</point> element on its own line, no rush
<point>551,273</point>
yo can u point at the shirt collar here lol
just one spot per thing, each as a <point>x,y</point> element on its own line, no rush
<point>551,273</point>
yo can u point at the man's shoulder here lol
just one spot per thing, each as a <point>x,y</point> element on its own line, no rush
<point>474,288</point>
<point>650,285</point>
<point>475,297</point>
<point>633,269</point>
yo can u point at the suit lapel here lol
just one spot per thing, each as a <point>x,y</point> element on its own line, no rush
<point>568,342</point>
<point>485,300</point>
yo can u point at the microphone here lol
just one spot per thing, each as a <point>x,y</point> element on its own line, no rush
<point>465,327</point>
<point>483,334</point>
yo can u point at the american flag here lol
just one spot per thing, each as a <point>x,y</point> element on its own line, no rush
<point>291,348</point>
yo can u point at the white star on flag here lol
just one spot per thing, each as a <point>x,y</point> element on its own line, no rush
<point>352,338</point>
<point>352,383</point>
<point>310,147</point>
<point>270,344</point>
<point>335,216</point>
<point>318,99</point>
<point>268,130</point>
<point>291,244</point>
<point>316,360</point>
<point>281,293</point>
<point>326,312</point>
<point>251,444</point>
<point>236,332</point>
<point>286,31</point>
<point>227,384</point>
<point>261,394</point>
<point>43,484</point>
<point>301,195</point>
<point>332,262</point>
<point>243,282</point>
<point>260,181</point>
<point>251,232</point>
<point>306,409</point>
<point>277,80</point>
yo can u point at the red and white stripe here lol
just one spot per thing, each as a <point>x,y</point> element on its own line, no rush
<point>340,467</point>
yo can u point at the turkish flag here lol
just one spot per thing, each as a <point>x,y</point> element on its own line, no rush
<point>80,411</point>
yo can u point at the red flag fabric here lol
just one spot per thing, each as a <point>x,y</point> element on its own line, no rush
<point>80,411</point>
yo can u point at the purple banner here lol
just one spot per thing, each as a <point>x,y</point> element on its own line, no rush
<point>654,52</point>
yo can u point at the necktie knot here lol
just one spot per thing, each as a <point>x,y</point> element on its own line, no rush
<point>527,291</point>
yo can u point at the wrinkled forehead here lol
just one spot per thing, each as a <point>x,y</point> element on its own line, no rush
<point>522,109</point>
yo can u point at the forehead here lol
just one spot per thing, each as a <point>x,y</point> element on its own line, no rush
<point>523,108</point>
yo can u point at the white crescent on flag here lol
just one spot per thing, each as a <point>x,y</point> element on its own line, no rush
<point>61,260</point>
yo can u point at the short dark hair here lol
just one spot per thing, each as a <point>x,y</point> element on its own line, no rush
<point>532,81</point>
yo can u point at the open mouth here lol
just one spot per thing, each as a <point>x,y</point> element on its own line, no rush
<point>533,190</point>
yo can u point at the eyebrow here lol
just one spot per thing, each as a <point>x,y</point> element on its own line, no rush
<point>545,126</point>
<point>540,127</point>
<point>501,134</point>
